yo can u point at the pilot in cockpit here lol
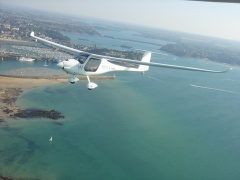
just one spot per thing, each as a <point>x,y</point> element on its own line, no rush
<point>82,58</point>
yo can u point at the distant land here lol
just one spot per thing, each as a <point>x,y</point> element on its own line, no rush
<point>206,52</point>
<point>201,47</point>
<point>17,25</point>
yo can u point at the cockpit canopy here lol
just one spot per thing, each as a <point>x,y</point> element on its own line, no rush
<point>92,64</point>
<point>82,57</point>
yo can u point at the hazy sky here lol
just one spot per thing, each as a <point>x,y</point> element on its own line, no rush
<point>206,18</point>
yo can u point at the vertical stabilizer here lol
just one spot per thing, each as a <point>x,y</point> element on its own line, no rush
<point>146,58</point>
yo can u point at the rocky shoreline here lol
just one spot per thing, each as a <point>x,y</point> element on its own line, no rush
<point>38,113</point>
<point>11,88</point>
<point>8,98</point>
<point>9,109</point>
<point>5,178</point>
<point>12,84</point>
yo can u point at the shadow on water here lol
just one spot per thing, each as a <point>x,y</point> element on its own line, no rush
<point>31,148</point>
<point>18,156</point>
<point>61,91</point>
<point>3,123</point>
<point>54,91</point>
<point>49,91</point>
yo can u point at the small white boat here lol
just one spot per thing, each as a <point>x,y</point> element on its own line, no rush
<point>50,140</point>
<point>26,59</point>
<point>45,64</point>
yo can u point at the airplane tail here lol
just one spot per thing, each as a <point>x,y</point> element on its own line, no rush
<point>146,58</point>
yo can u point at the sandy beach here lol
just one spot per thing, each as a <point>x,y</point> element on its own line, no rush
<point>15,82</point>
<point>11,88</point>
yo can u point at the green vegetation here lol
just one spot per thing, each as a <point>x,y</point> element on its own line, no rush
<point>196,46</point>
<point>204,51</point>
<point>57,35</point>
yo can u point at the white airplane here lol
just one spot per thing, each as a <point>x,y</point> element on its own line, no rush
<point>93,64</point>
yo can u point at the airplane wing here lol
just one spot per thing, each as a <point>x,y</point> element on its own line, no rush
<point>168,65</point>
<point>55,44</point>
<point>128,60</point>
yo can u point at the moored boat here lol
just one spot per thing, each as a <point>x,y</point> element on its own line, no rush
<point>26,59</point>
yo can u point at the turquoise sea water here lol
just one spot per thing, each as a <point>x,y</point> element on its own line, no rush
<point>154,126</point>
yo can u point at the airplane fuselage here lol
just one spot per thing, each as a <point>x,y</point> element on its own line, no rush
<point>91,65</point>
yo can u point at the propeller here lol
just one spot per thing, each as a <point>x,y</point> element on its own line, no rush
<point>61,64</point>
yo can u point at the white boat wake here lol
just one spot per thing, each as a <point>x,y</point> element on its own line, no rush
<point>155,79</point>
<point>215,89</point>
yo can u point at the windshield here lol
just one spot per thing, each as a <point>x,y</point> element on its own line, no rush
<point>92,65</point>
<point>81,58</point>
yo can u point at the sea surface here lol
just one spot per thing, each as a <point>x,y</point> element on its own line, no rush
<point>167,124</point>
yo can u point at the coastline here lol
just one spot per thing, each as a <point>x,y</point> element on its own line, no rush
<point>12,87</point>
<point>5,177</point>
<point>14,83</point>
<point>17,40</point>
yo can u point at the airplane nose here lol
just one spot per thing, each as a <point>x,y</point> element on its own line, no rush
<point>60,64</point>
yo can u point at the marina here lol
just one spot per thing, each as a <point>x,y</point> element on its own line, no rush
<point>31,51</point>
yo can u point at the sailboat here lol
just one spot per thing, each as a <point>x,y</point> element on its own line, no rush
<point>45,63</point>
